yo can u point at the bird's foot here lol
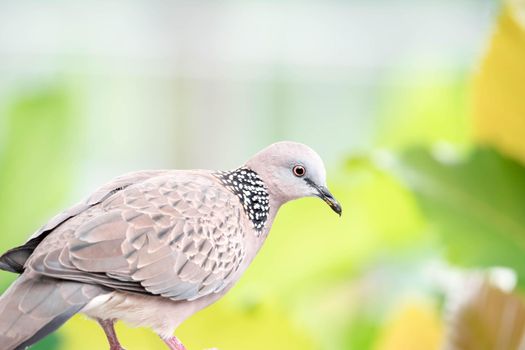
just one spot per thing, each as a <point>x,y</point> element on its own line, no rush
<point>174,343</point>
<point>109,330</point>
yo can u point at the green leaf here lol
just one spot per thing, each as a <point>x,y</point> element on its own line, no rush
<point>36,154</point>
<point>36,161</point>
<point>476,205</point>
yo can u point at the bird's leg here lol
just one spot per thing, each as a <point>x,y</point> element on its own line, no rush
<point>174,343</point>
<point>109,329</point>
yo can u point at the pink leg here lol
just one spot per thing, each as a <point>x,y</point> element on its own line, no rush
<point>107,326</point>
<point>174,343</point>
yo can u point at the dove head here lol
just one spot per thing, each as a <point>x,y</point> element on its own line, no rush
<point>292,170</point>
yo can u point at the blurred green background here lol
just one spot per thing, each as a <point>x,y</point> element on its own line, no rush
<point>418,108</point>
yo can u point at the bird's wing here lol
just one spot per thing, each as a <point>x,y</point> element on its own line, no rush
<point>100,194</point>
<point>14,259</point>
<point>176,236</point>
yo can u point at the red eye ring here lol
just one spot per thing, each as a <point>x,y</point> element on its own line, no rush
<point>299,170</point>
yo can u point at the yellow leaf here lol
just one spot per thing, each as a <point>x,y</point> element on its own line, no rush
<point>227,326</point>
<point>416,326</point>
<point>499,94</point>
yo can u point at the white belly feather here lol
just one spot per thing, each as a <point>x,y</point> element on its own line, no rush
<point>160,314</point>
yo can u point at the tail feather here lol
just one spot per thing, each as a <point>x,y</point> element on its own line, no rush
<point>34,306</point>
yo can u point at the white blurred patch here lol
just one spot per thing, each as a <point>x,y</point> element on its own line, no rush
<point>384,159</point>
<point>518,11</point>
<point>446,153</point>
<point>503,277</point>
<point>461,285</point>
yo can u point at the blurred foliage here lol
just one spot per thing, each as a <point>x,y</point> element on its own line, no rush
<point>499,96</point>
<point>488,319</point>
<point>416,326</point>
<point>322,282</point>
<point>431,106</point>
<point>35,159</point>
<point>476,205</point>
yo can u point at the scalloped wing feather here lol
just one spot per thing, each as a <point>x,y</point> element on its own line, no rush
<point>14,259</point>
<point>177,235</point>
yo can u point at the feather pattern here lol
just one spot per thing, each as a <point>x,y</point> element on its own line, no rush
<point>14,259</point>
<point>161,236</point>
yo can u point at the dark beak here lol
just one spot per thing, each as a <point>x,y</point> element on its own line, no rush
<point>324,194</point>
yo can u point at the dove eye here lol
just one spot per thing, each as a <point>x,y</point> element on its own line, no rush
<point>299,170</point>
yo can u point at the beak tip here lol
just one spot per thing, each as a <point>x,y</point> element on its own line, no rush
<point>325,195</point>
<point>335,206</point>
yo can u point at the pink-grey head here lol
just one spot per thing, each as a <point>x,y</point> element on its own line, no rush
<point>293,170</point>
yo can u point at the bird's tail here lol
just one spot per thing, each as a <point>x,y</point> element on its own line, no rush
<point>35,306</point>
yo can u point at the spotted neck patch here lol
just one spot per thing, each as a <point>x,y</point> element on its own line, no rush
<point>251,190</point>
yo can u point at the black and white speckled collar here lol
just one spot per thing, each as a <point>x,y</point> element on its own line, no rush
<point>251,190</point>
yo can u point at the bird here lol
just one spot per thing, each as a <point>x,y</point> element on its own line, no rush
<point>151,248</point>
